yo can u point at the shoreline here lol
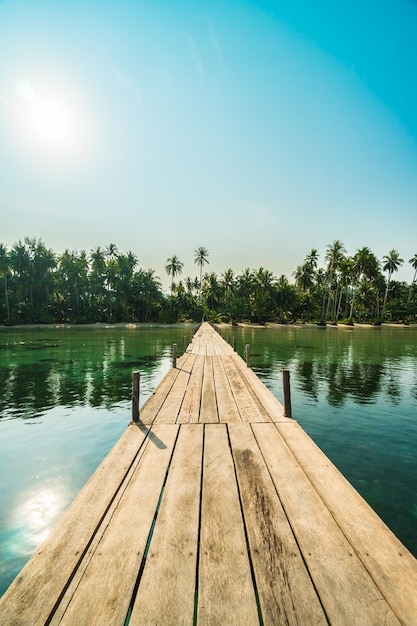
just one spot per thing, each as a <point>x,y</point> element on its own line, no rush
<point>139,325</point>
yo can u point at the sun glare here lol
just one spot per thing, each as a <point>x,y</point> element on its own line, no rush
<point>47,120</point>
<point>50,122</point>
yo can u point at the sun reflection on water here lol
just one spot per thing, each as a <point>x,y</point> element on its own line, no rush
<point>37,515</point>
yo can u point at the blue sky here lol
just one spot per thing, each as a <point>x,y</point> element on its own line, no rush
<point>259,130</point>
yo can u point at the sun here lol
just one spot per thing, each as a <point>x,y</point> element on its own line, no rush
<point>50,122</point>
<point>46,119</point>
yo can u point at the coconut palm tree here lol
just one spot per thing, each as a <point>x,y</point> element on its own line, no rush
<point>392,262</point>
<point>334,256</point>
<point>200,258</point>
<point>173,268</point>
<point>413,262</point>
<point>365,265</point>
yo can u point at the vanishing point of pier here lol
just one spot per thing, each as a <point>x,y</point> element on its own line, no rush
<point>215,509</point>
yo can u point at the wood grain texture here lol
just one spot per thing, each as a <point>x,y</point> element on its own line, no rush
<point>345,588</point>
<point>286,593</point>
<point>225,590</point>
<point>111,574</point>
<point>190,407</point>
<point>208,408</point>
<point>167,586</point>
<point>389,563</point>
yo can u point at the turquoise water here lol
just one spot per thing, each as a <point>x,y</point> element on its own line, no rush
<point>66,399</point>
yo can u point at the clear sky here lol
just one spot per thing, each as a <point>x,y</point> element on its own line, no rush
<point>258,130</point>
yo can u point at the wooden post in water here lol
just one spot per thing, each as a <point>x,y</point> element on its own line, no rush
<point>287,393</point>
<point>174,355</point>
<point>184,339</point>
<point>247,350</point>
<point>234,344</point>
<point>135,395</point>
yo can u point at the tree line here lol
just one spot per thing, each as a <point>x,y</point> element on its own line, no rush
<point>106,285</point>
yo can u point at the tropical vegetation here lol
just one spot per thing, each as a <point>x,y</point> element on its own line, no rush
<point>39,285</point>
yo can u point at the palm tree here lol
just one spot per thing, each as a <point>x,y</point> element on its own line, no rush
<point>392,262</point>
<point>335,254</point>
<point>227,280</point>
<point>365,265</point>
<point>200,258</point>
<point>413,262</point>
<point>174,266</point>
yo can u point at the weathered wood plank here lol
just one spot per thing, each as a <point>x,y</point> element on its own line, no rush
<point>170,409</point>
<point>190,408</point>
<point>153,405</point>
<point>264,415</point>
<point>225,590</point>
<point>285,589</point>
<point>47,573</point>
<point>226,403</point>
<point>104,593</point>
<point>391,565</point>
<point>208,408</point>
<point>167,587</point>
<point>345,588</point>
<point>247,408</point>
<point>273,407</point>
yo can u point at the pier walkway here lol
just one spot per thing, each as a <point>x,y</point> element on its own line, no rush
<point>216,509</point>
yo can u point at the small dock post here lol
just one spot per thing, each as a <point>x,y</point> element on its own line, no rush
<point>184,340</point>
<point>174,355</point>
<point>234,344</point>
<point>247,351</point>
<point>287,393</point>
<point>135,395</point>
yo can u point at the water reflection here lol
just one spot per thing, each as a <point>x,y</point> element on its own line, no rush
<point>76,369</point>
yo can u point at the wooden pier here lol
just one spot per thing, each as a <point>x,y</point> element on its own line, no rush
<point>215,509</point>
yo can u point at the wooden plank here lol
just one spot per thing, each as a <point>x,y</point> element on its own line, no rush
<point>391,565</point>
<point>104,593</point>
<point>273,407</point>
<point>225,589</point>
<point>264,415</point>
<point>345,588</point>
<point>153,405</point>
<point>45,576</point>
<point>247,408</point>
<point>286,592</point>
<point>170,409</point>
<point>227,409</point>
<point>167,587</point>
<point>190,408</point>
<point>208,408</point>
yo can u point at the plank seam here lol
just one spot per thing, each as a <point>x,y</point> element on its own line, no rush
<point>150,535</point>
<point>338,523</point>
<point>252,569</point>
<point>288,519</point>
<point>200,506</point>
<point>118,492</point>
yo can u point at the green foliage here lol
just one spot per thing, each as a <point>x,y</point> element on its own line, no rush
<point>106,285</point>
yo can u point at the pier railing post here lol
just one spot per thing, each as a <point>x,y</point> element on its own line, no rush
<point>247,352</point>
<point>287,393</point>
<point>135,395</point>
<point>174,355</point>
